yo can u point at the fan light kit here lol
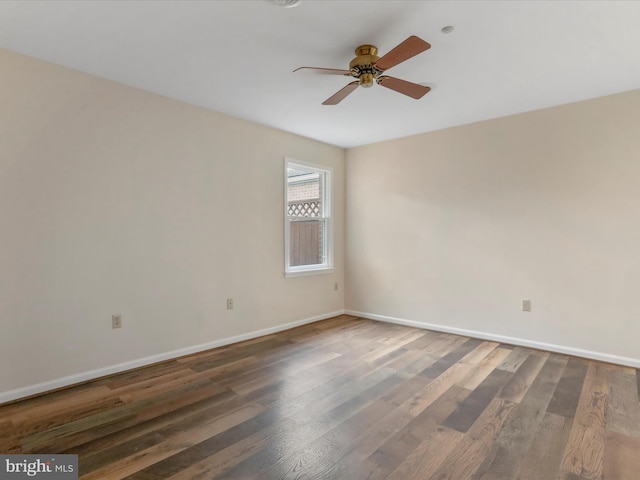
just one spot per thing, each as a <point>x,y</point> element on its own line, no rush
<point>367,67</point>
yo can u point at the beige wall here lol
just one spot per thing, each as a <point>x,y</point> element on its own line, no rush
<point>455,227</point>
<point>114,200</point>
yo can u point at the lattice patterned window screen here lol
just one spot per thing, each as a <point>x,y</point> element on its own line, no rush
<point>304,209</point>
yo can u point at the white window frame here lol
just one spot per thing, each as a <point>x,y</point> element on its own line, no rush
<point>326,194</point>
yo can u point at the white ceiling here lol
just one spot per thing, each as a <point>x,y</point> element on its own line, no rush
<point>237,56</point>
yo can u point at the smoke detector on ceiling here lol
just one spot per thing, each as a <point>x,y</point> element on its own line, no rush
<point>286,3</point>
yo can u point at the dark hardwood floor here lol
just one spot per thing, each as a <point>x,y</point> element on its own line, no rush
<point>345,398</point>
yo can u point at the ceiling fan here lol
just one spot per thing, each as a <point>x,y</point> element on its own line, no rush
<point>367,67</point>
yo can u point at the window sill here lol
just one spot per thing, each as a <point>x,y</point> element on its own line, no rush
<point>302,273</point>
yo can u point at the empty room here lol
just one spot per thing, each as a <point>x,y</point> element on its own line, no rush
<point>315,239</point>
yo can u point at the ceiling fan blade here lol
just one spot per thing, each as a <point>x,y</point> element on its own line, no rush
<point>326,71</point>
<point>340,95</point>
<point>411,47</point>
<point>410,89</point>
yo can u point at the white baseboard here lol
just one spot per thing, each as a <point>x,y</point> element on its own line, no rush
<point>522,342</point>
<point>121,367</point>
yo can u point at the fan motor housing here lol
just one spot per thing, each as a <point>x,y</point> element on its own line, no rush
<point>366,57</point>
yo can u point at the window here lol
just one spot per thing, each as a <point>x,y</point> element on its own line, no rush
<point>308,246</point>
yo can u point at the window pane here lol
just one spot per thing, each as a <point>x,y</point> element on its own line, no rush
<point>304,193</point>
<point>306,243</point>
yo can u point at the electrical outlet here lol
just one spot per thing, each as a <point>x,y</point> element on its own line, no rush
<point>526,305</point>
<point>116,321</point>
<point>229,303</point>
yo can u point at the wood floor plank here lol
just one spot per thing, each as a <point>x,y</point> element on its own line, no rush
<point>397,447</point>
<point>403,336</point>
<point>623,412</point>
<point>518,433</point>
<point>410,389</point>
<point>298,410</point>
<point>268,345</point>
<point>584,454</point>
<point>337,322</point>
<point>433,352</point>
<point>468,412</point>
<point>328,448</point>
<point>545,454</point>
<point>446,380</point>
<point>477,375</point>
<point>405,359</point>
<point>141,459</point>
<point>621,457</point>
<point>567,394</point>
<point>165,384</point>
<point>450,358</point>
<point>473,447</point>
<point>259,378</point>
<point>259,361</point>
<point>77,432</point>
<point>25,427</point>
<point>517,387</point>
<point>515,359</point>
<point>52,404</point>
<point>214,444</point>
<point>423,462</point>
<point>480,353</point>
<point>433,342</point>
<point>368,443</point>
<point>192,410</point>
<point>312,382</point>
<point>344,398</point>
<point>9,442</point>
<point>311,438</point>
<point>144,374</point>
<point>417,363</point>
<point>432,416</point>
<point>390,347</point>
<point>216,463</point>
